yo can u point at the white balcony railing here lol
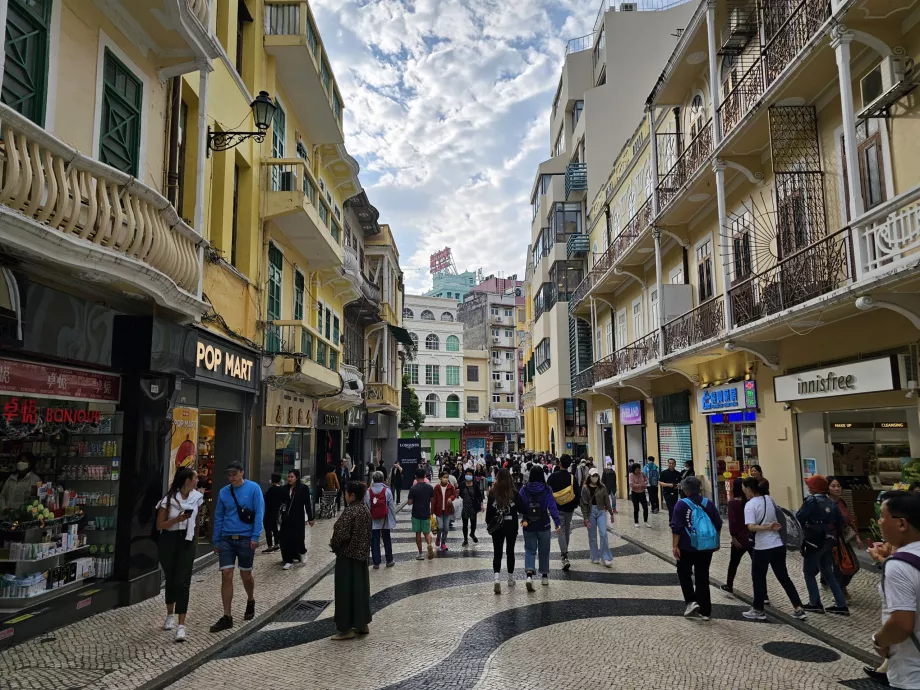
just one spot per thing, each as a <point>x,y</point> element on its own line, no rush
<point>65,190</point>
<point>200,9</point>
<point>889,233</point>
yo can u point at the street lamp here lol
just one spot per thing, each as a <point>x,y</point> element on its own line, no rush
<point>263,111</point>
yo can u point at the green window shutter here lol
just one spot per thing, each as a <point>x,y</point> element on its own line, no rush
<point>120,130</point>
<point>453,375</point>
<point>275,270</point>
<point>298,296</point>
<point>25,77</point>
<point>335,330</point>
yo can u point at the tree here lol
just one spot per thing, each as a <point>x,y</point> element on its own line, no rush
<point>412,416</point>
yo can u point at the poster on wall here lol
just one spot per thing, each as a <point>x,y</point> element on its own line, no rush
<point>183,450</point>
<point>809,467</point>
<point>409,454</point>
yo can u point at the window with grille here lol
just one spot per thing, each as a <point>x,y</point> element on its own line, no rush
<point>472,404</point>
<point>411,370</point>
<point>472,373</point>
<point>431,405</point>
<point>453,343</point>
<point>453,375</point>
<point>25,76</point>
<point>432,375</point>
<point>432,342</point>
<point>120,129</point>
<point>328,324</point>
<point>321,352</point>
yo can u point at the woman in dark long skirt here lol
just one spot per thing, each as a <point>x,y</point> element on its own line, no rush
<point>296,510</point>
<point>351,542</point>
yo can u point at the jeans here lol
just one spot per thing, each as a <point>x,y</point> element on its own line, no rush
<point>761,561</point>
<point>597,530</point>
<point>734,561</point>
<point>637,500</point>
<point>565,533</point>
<point>653,499</point>
<point>613,502</point>
<point>443,528</point>
<point>507,536</point>
<point>375,545</point>
<point>272,534</point>
<point>532,542</point>
<point>177,556</point>
<point>821,558</point>
<point>469,524</point>
<point>693,566</point>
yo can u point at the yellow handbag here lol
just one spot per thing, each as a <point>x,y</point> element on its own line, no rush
<point>434,525</point>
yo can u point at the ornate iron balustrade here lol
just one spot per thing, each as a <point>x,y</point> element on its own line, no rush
<point>810,272</point>
<point>584,380</point>
<point>581,292</point>
<point>630,233</point>
<point>788,27</point>
<point>637,354</point>
<point>688,162</point>
<point>696,326</point>
<point>740,100</point>
<point>890,232</point>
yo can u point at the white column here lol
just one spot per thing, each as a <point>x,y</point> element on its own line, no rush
<point>3,9</point>
<point>840,40</point>
<point>202,152</point>
<point>713,71</point>
<point>724,250</point>
<point>656,233</point>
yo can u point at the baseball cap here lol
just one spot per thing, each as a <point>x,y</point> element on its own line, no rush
<point>593,472</point>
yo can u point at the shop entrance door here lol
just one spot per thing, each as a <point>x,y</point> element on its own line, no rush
<point>219,433</point>
<point>635,444</point>
<point>608,441</point>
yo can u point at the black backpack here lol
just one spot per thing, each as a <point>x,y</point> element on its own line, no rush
<point>821,515</point>
<point>535,511</point>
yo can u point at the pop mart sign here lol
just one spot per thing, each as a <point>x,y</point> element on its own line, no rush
<point>869,376</point>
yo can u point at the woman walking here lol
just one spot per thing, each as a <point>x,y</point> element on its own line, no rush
<point>741,538</point>
<point>296,511</point>
<point>396,477</point>
<point>379,501</point>
<point>273,497</point>
<point>471,495</point>
<point>540,505</point>
<point>595,507</point>
<point>442,507</point>
<point>351,541</point>
<point>176,517</point>
<point>846,564</point>
<point>638,482</point>
<point>504,509</point>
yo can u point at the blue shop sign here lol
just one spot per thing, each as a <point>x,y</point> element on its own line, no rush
<point>732,396</point>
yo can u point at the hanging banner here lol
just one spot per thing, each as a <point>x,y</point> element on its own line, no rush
<point>183,449</point>
<point>49,381</point>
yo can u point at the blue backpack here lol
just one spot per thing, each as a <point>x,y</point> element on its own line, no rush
<point>703,535</point>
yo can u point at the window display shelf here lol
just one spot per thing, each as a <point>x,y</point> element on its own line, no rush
<point>19,602</point>
<point>43,558</point>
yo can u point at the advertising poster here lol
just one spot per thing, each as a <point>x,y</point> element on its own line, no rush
<point>809,467</point>
<point>183,451</point>
<point>409,453</point>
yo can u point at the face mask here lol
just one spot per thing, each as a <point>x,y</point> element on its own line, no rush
<point>22,466</point>
<point>468,477</point>
<point>594,480</point>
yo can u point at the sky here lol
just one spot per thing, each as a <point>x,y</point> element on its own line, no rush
<point>447,111</point>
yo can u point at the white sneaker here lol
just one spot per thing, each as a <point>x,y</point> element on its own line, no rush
<point>420,556</point>
<point>498,583</point>
<point>170,622</point>
<point>595,562</point>
<point>648,525</point>
<point>286,566</point>
<point>754,615</point>
<point>691,609</point>
<point>530,584</point>
<point>545,581</point>
<point>637,524</point>
<point>608,564</point>
<point>180,634</point>
<point>511,580</point>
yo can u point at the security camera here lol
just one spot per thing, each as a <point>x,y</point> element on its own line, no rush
<point>787,406</point>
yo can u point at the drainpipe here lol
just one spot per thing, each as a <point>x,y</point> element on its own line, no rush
<point>172,169</point>
<point>200,167</point>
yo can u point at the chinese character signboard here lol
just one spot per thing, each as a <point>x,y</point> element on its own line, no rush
<point>732,396</point>
<point>48,381</point>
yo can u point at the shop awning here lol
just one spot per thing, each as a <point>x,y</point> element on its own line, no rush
<point>401,334</point>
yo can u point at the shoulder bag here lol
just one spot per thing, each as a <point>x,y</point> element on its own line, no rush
<point>247,516</point>
<point>566,495</point>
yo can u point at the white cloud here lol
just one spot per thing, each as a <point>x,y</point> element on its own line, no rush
<point>447,111</point>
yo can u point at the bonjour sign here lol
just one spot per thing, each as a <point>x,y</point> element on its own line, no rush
<point>224,363</point>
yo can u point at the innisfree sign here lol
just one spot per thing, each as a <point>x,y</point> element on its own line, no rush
<point>867,376</point>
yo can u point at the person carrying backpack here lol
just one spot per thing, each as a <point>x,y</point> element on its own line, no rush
<point>540,505</point>
<point>898,640</point>
<point>695,527</point>
<point>380,502</point>
<point>821,521</point>
<point>762,517</point>
<point>653,474</point>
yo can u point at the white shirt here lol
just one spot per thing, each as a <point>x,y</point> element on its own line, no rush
<point>761,510</point>
<point>17,491</point>
<point>177,506</point>
<point>902,593</point>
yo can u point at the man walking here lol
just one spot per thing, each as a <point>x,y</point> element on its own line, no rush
<point>695,527</point>
<point>563,485</point>
<point>237,527</point>
<point>420,499</point>
<point>343,476</point>
<point>652,473</point>
<point>670,486</point>
<point>821,520</point>
<point>396,480</point>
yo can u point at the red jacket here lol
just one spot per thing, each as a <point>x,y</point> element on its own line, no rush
<point>437,508</point>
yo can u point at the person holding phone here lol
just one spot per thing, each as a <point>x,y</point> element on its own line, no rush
<point>176,518</point>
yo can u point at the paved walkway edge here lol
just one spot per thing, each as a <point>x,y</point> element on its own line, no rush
<point>169,677</point>
<point>830,640</point>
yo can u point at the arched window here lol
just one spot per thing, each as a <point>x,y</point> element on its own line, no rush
<point>432,342</point>
<point>427,316</point>
<point>453,343</point>
<point>407,313</point>
<point>453,407</point>
<point>697,116</point>
<point>414,339</point>
<point>431,405</point>
<point>447,316</point>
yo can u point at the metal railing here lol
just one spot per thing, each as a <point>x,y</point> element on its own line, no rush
<point>581,292</point>
<point>109,211</point>
<point>788,30</point>
<point>584,380</point>
<point>889,232</point>
<point>378,394</point>
<point>634,228</point>
<point>576,178</point>
<point>577,246</point>
<point>637,354</point>
<point>576,45</point>
<point>689,161</point>
<point>742,98</point>
<point>284,18</point>
<point>696,326</point>
<point>806,274</point>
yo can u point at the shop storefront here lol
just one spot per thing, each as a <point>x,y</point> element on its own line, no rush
<point>632,419</point>
<point>475,439</point>
<point>362,443</point>
<point>330,438</point>
<point>604,432</point>
<point>575,417</point>
<point>853,424</point>
<point>731,414</point>
<point>287,435</point>
<point>672,417</point>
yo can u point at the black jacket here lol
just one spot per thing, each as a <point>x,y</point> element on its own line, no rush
<point>515,512</point>
<point>475,491</point>
<point>294,506</point>
<point>560,479</point>
<point>274,497</point>
<point>609,478</point>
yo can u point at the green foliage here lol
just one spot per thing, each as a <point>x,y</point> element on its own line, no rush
<point>412,416</point>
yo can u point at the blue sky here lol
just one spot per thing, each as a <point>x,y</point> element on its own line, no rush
<point>447,111</point>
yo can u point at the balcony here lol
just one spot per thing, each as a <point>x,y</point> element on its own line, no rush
<point>389,314</point>
<point>309,362</point>
<point>889,234</point>
<point>381,397</point>
<point>291,203</point>
<point>583,381</point>
<point>697,326</point>
<point>687,163</point>
<point>636,355</point>
<point>360,284</point>
<point>576,178</point>
<point>577,247</point>
<point>788,27</point>
<point>742,98</point>
<point>804,275</point>
<point>303,67</point>
<point>576,45</point>
<point>72,214</point>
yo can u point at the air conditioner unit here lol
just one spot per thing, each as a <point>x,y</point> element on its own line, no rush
<point>629,7</point>
<point>885,76</point>
<point>496,339</point>
<point>738,30</point>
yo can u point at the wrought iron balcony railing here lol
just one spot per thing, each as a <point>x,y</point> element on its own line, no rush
<point>696,326</point>
<point>687,163</point>
<point>804,275</point>
<point>584,380</point>
<point>742,98</point>
<point>576,178</point>
<point>637,354</point>
<point>788,27</point>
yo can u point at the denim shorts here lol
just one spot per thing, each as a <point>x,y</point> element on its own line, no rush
<point>235,550</point>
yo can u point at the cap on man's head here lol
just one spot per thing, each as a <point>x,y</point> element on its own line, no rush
<point>234,466</point>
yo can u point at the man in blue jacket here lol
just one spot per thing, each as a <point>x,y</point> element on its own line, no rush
<point>237,528</point>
